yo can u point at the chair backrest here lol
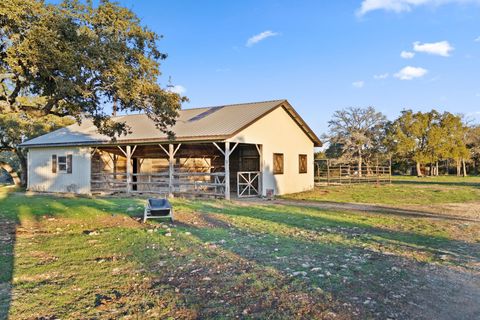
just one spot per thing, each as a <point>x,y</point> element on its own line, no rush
<point>158,203</point>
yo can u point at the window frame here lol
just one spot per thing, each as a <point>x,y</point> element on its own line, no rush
<point>302,160</point>
<point>61,163</point>
<point>282,170</point>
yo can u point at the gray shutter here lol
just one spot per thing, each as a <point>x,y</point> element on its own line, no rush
<point>69,163</point>
<point>54,163</point>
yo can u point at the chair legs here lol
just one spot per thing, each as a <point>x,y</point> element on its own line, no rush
<point>146,214</point>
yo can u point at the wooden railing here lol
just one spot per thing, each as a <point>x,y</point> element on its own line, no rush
<point>108,182</point>
<point>350,174</point>
<point>195,183</point>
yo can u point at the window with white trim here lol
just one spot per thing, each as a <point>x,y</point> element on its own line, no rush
<point>62,164</point>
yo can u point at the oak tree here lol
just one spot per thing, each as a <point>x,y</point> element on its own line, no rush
<point>72,59</point>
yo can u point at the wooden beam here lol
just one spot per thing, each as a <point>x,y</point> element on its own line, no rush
<point>260,168</point>
<point>94,151</point>
<point>133,150</point>
<point>233,149</point>
<point>124,153</point>
<point>129,168</point>
<point>165,150</point>
<point>178,147</point>
<point>227,170</point>
<point>171,159</point>
<point>220,149</point>
<point>258,149</point>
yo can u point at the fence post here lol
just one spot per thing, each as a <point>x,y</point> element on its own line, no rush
<point>328,172</point>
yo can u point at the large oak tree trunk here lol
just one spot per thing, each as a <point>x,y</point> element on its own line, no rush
<point>11,172</point>
<point>23,167</point>
<point>464,168</point>
<point>459,167</point>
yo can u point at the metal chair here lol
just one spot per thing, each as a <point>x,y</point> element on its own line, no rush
<point>158,209</point>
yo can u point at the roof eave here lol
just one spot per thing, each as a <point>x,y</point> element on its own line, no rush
<point>128,141</point>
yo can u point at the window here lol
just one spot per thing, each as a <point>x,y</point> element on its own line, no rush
<point>62,164</point>
<point>278,163</point>
<point>302,163</point>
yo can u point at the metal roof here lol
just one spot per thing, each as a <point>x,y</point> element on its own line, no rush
<point>199,124</point>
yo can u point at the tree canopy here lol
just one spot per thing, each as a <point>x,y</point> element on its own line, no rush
<point>356,132</point>
<point>427,137</point>
<point>71,60</point>
<point>74,58</point>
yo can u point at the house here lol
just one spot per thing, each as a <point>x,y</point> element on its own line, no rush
<point>249,149</point>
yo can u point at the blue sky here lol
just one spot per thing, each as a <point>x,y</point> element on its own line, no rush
<point>322,55</point>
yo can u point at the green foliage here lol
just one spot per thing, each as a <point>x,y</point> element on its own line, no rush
<point>66,61</point>
<point>403,191</point>
<point>427,137</point>
<point>76,57</point>
<point>18,127</point>
<point>356,133</point>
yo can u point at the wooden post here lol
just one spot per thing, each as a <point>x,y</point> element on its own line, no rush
<point>227,170</point>
<point>260,168</point>
<point>170,169</point>
<point>390,170</point>
<point>226,153</point>
<point>328,172</point>
<point>128,154</point>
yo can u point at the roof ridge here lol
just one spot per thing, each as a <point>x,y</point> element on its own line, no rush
<point>237,104</point>
<point>209,107</point>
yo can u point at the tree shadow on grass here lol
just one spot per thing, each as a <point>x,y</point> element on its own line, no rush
<point>352,274</point>
<point>372,208</point>
<point>18,209</point>
<point>425,181</point>
<point>348,223</point>
<point>7,245</point>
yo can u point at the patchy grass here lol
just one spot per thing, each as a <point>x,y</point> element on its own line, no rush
<point>447,180</point>
<point>90,258</point>
<point>403,191</point>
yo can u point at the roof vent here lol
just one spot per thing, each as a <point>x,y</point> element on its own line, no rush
<point>205,113</point>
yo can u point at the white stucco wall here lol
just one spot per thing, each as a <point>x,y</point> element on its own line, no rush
<point>277,132</point>
<point>41,178</point>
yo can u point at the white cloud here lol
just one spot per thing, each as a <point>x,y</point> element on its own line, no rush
<point>358,84</point>
<point>409,73</point>
<point>177,89</point>
<point>407,54</point>
<point>442,48</point>
<point>404,5</point>
<point>477,39</point>
<point>381,76</point>
<point>259,37</point>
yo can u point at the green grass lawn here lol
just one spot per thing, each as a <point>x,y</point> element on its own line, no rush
<point>89,258</point>
<point>402,191</point>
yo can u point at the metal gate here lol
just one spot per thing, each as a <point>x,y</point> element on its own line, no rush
<point>249,184</point>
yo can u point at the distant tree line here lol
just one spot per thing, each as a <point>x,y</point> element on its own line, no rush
<point>421,143</point>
